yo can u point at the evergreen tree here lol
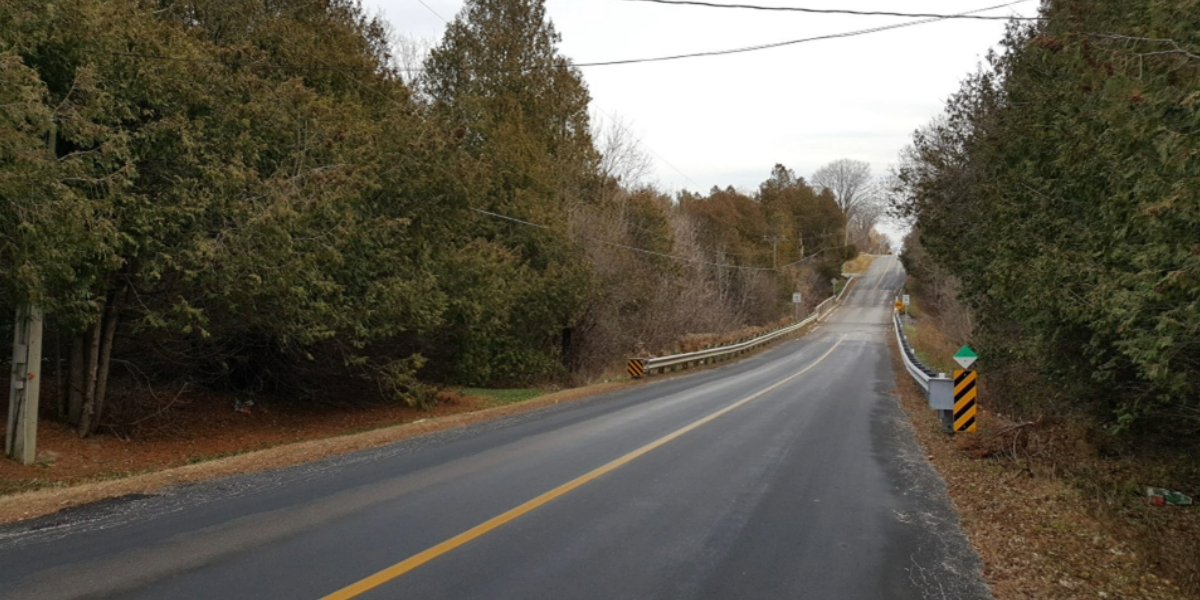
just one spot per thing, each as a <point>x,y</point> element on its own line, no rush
<point>519,108</point>
<point>1061,188</point>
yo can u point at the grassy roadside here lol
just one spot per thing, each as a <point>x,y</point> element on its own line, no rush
<point>858,264</point>
<point>1049,516</point>
<point>500,397</point>
<point>855,266</point>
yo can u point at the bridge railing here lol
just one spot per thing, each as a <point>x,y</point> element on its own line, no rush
<point>640,367</point>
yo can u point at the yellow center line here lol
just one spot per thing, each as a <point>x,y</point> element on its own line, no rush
<point>425,556</point>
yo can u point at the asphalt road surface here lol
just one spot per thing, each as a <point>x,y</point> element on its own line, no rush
<point>790,474</point>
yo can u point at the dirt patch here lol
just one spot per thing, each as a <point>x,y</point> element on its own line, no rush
<point>208,440</point>
<point>1038,534</point>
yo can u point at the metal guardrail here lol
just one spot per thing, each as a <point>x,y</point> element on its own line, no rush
<point>639,367</point>
<point>939,389</point>
<point>920,373</point>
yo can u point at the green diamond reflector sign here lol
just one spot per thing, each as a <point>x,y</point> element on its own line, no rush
<point>966,357</point>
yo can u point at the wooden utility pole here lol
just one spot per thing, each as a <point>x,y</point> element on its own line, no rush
<point>20,443</point>
<point>774,241</point>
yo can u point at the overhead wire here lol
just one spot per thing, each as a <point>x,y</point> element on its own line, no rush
<point>660,157</point>
<point>642,60</point>
<point>837,11</point>
<point>606,113</point>
<point>700,261</point>
<point>435,13</point>
<point>546,227</point>
<point>806,258</point>
<point>810,256</point>
<point>769,46</point>
<point>931,18</point>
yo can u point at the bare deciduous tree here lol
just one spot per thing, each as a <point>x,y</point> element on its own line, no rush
<point>621,154</point>
<point>409,54</point>
<point>855,192</point>
<point>861,224</point>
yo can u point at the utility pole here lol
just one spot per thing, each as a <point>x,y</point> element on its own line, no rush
<point>774,241</point>
<point>20,443</point>
<point>20,440</point>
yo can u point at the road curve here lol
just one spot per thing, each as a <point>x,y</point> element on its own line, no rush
<point>791,474</point>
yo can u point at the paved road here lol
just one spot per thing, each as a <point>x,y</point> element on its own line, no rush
<point>792,474</point>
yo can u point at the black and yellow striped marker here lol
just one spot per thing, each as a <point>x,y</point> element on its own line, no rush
<point>965,394</point>
<point>636,368</point>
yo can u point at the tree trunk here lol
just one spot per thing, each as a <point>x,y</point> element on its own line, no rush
<point>567,350</point>
<point>75,391</point>
<point>110,331</point>
<point>89,393</point>
<point>59,389</point>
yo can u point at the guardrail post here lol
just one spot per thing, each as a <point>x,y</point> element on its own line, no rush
<point>941,399</point>
<point>947,417</point>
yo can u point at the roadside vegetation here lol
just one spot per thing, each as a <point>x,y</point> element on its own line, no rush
<point>500,397</point>
<point>1058,200</point>
<point>1056,213</point>
<point>1051,514</point>
<point>233,202</point>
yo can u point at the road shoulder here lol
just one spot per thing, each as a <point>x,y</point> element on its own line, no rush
<point>1034,535</point>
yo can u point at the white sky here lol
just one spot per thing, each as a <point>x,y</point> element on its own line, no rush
<point>727,120</point>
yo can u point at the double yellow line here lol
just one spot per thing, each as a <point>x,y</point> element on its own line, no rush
<point>425,556</point>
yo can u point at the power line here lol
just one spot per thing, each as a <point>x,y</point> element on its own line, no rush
<point>758,47</point>
<point>675,168</point>
<point>625,246</point>
<point>660,157</point>
<point>810,256</point>
<point>755,48</point>
<point>435,13</point>
<point>838,11</point>
<point>508,218</point>
<point>631,61</point>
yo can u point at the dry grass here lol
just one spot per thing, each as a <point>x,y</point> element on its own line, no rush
<point>858,264</point>
<point>1164,536</point>
<point>703,341</point>
<point>1049,516</point>
<point>934,349</point>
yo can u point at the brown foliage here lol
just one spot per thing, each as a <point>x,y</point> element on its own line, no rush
<point>674,277</point>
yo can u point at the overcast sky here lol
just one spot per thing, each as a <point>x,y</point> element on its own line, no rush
<point>727,120</point>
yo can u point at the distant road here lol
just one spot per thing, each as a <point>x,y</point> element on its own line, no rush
<point>792,474</point>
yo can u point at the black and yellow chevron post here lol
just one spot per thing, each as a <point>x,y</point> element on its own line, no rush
<point>636,368</point>
<point>965,395</point>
